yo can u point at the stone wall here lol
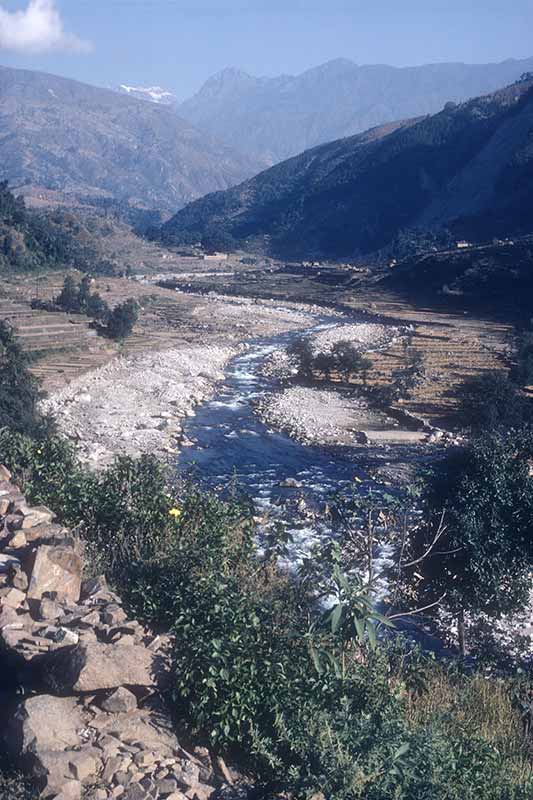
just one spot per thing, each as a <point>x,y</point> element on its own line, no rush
<point>83,687</point>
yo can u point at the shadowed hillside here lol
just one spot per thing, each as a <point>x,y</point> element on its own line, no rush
<point>467,168</point>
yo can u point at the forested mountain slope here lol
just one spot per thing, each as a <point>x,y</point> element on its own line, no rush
<point>468,168</point>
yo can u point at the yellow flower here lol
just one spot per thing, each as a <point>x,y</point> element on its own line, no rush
<point>175,512</point>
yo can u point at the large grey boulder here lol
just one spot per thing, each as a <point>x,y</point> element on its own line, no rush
<point>90,667</point>
<point>121,701</point>
<point>45,723</point>
<point>56,569</point>
<point>50,771</point>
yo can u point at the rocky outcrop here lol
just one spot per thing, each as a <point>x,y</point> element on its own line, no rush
<point>89,719</point>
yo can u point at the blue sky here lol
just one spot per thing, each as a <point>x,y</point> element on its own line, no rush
<point>180,43</point>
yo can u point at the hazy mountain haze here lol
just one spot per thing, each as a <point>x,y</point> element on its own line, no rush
<point>271,119</point>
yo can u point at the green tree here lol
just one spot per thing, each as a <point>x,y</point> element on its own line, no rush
<point>301,350</point>
<point>19,391</point>
<point>97,308</point>
<point>478,518</point>
<point>122,319</point>
<point>347,360</point>
<point>69,297</point>
<point>84,293</point>
<point>490,401</point>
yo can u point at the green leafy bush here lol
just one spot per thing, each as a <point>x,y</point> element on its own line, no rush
<point>490,401</point>
<point>300,695</point>
<point>479,505</point>
<point>19,391</point>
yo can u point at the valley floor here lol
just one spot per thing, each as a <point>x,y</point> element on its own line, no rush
<point>183,340</point>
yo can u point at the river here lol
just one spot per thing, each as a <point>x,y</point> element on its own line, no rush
<point>232,445</point>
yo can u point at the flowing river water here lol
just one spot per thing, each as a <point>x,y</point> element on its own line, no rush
<point>232,445</point>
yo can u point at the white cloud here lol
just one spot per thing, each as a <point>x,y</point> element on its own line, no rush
<point>37,29</point>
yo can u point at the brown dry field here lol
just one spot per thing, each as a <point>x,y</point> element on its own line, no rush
<point>453,346</point>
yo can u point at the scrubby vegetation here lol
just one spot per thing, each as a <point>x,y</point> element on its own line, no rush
<point>19,391</point>
<point>479,509</point>
<point>117,323</point>
<point>31,240</point>
<point>492,401</point>
<point>13,786</point>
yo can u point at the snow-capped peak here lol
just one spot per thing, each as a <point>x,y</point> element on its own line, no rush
<point>154,94</point>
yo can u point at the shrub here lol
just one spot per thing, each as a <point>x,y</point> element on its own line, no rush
<point>13,785</point>
<point>481,499</point>
<point>490,401</point>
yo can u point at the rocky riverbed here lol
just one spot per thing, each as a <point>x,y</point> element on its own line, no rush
<point>364,336</point>
<point>321,416</point>
<point>136,405</point>
<point>333,416</point>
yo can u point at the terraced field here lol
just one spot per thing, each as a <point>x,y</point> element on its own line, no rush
<point>452,347</point>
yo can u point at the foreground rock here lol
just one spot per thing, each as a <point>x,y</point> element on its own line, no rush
<point>91,721</point>
<point>94,666</point>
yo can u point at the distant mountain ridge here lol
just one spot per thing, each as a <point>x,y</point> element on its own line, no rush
<point>273,119</point>
<point>469,168</point>
<point>69,142</point>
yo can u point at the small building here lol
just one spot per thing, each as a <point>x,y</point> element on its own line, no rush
<point>462,245</point>
<point>215,257</point>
